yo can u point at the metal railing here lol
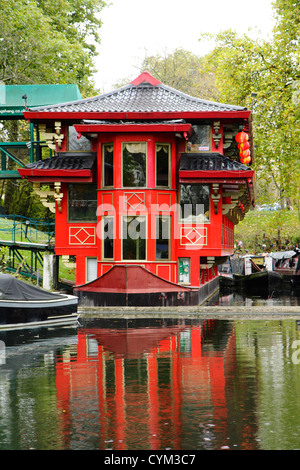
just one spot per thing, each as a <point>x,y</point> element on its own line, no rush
<point>17,228</point>
<point>34,148</point>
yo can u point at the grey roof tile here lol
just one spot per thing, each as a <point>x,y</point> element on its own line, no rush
<point>209,162</point>
<point>140,98</point>
<point>65,161</point>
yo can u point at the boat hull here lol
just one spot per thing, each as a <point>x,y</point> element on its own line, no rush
<point>260,283</point>
<point>265,282</point>
<point>22,314</point>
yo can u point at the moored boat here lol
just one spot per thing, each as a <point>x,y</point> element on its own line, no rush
<point>250,275</point>
<point>287,264</point>
<point>262,283</point>
<point>23,305</point>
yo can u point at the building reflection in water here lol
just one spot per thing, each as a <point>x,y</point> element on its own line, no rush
<point>150,385</point>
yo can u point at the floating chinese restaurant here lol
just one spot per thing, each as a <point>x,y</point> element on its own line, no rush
<point>147,184</point>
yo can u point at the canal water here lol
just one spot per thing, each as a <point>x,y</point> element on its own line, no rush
<point>153,384</point>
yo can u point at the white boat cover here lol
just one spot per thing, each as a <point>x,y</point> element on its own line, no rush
<point>283,254</point>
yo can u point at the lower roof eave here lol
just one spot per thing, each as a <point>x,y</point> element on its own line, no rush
<point>49,176</point>
<point>219,175</point>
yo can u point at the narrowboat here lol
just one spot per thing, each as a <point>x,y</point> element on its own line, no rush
<point>23,305</point>
<point>287,264</point>
<point>250,274</point>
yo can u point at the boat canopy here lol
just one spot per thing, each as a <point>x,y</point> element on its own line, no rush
<point>283,254</point>
<point>12,288</point>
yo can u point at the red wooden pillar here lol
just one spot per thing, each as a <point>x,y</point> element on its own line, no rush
<point>151,164</point>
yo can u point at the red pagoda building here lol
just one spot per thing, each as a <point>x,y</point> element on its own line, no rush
<point>147,184</point>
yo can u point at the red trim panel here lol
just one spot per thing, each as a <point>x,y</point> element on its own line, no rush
<point>82,128</point>
<point>56,173</point>
<point>215,174</point>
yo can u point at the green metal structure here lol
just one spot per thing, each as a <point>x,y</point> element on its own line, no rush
<point>14,99</point>
<point>28,239</point>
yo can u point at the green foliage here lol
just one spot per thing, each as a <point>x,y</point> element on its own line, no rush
<point>46,42</point>
<point>270,69</point>
<point>268,231</point>
<point>24,201</point>
<point>183,71</point>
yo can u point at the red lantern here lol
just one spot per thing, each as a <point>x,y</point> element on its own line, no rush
<point>243,146</point>
<point>241,137</point>
<point>245,160</point>
<point>245,153</point>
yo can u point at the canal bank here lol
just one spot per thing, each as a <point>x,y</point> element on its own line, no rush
<point>213,312</point>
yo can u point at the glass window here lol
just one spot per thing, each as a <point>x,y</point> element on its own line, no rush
<point>200,141</point>
<point>82,202</point>
<point>91,269</point>
<point>162,241</point>
<point>78,145</point>
<point>134,164</point>
<point>162,164</point>
<point>108,165</point>
<point>108,238</point>
<point>184,270</point>
<point>194,203</point>
<point>134,237</point>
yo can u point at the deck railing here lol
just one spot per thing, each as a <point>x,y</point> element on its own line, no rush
<point>17,228</point>
<point>10,156</point>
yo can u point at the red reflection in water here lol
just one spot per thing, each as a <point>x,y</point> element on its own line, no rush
<point>149,388</point>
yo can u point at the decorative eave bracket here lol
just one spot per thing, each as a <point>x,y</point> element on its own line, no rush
<point>216,135</point>
<point>55,192</point>
<point>52,138</point>
<point>216,196</point>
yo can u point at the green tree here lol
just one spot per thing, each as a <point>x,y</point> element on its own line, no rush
<point>270,69</point>
<point>45,42</point>
<point>183,71</point>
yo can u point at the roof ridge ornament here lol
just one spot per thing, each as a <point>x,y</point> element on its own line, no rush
<point>145,77</point>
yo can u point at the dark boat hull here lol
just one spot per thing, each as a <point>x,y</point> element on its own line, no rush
<point>291,282</point>
<point>263,282</point>
<point>21,314</point>
<point>260,283</point>
<point>227,280</point>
